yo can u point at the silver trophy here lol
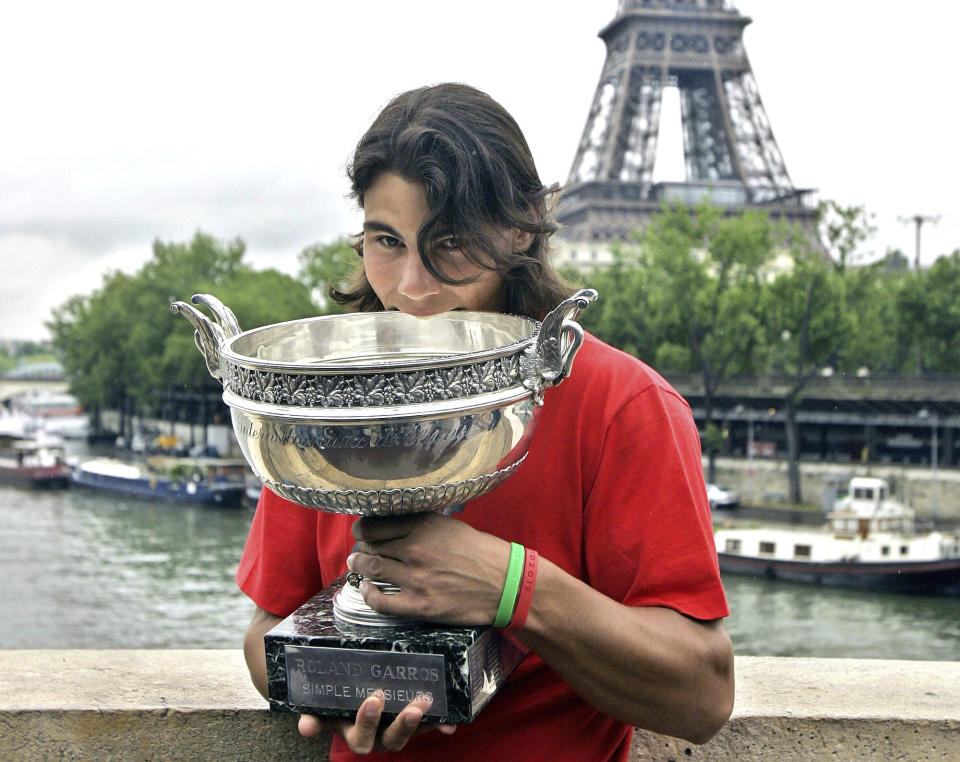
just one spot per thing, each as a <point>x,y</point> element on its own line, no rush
<point>380,414</point>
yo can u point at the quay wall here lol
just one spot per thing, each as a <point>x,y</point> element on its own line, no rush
<point>766,481</point>
<point>200,705</point>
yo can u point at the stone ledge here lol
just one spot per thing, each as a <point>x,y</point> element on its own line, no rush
<point>199,705</point>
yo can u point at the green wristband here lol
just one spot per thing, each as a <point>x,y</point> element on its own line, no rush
<point>511,586</point>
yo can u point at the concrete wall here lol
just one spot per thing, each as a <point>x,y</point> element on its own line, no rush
<point>764,480</point>
<point>199,705</point>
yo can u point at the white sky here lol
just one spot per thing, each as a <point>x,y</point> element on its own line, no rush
<point>124,122</point>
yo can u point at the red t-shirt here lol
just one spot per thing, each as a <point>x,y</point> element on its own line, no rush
<point>611,491</point>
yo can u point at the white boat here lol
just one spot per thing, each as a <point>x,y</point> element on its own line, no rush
<point>217,481</point>
<point>32,462</point>
<point>870,541</point>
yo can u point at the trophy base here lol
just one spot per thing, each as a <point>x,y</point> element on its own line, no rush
<point>317,664</point>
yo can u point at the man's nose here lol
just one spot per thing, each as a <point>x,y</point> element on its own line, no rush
<point>416,282</point>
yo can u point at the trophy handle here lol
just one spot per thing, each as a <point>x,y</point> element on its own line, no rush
<point>550,359</point>
<point>209,336</point>
<point>228,321</point>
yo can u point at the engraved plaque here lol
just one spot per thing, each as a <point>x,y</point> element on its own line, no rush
<point>317,665</point>
<point>336,678</point>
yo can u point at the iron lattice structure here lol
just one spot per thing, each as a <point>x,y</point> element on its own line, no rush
<point>729,149</point>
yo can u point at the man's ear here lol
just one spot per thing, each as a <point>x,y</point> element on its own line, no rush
<point>522,240</point>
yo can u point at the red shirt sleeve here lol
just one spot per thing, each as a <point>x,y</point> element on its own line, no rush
<point>647,511</point>
<point>279,569</point>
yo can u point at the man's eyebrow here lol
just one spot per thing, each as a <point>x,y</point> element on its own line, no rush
<point>377,226</point>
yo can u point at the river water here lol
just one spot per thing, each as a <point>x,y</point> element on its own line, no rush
<point>81,569</point>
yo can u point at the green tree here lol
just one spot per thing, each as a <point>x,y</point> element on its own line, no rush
<point>323,265</point>
<point>871,307</point>
<point>705,282</point>
<point>842,229</point>
<point>257,298</point>
<point>90,335</point>
<point>7,363</point>
<point>620,316</point>
<point>928,318</point>
<point>121,347</point>
<point>807,323</point>
<point>30,349</point>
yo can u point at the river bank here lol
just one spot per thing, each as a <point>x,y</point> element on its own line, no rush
<point>764,483</point>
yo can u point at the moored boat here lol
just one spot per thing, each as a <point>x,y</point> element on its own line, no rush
<point>870,541</point>
<point>32,462</point>
<point>56,414</point>
<point>217,481</point>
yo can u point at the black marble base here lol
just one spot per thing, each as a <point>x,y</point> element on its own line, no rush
<point>319,666</point>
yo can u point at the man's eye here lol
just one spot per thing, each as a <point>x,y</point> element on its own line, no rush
<point>450,243</point>
<point>388,240</point>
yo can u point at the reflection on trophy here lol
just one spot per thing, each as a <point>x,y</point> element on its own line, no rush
<point>380,414</point>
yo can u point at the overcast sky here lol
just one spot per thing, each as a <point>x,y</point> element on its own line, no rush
<point>124,122</point>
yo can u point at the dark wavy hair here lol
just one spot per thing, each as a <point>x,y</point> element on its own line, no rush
<point>480,180</point>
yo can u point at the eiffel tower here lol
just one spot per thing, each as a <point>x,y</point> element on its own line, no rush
<point>730,153</point>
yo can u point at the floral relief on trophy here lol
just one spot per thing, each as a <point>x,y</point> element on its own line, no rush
<point>373,390</point>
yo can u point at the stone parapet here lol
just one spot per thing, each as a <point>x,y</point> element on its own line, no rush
<point>199,705</point>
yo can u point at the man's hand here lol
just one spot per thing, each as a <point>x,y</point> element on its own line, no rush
<point>447,571</point>
<point>364,734</point>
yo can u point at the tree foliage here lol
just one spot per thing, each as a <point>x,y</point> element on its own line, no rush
<point>621,316</point>
<point>715,295</point>
<point>121,342</point>
<point>928,310</point>
<point>841,230</point>
<point>323,265</point>
<point>806,324</point>
<point>705,280</point>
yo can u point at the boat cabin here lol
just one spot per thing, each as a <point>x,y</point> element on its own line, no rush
<point>868,508</point>
<point>27,452</point>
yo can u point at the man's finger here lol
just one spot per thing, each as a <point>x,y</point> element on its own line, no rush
<point>309,726</point>
<point>375,567</point>
<point>398,732</point>
<point>362,736</point>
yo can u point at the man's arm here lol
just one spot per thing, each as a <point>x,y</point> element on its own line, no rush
<point>647,666</point>
<point>253,648</point>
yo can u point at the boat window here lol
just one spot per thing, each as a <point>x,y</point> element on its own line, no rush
<point>884,550</point>
<point>883,493</point>
<point>858,493</point>
<point>904,550</point>
<point>768,547</point>
<point>732,545</point>
<point>801,551</point>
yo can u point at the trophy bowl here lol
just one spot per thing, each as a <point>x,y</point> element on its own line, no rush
<point>384,413</point>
